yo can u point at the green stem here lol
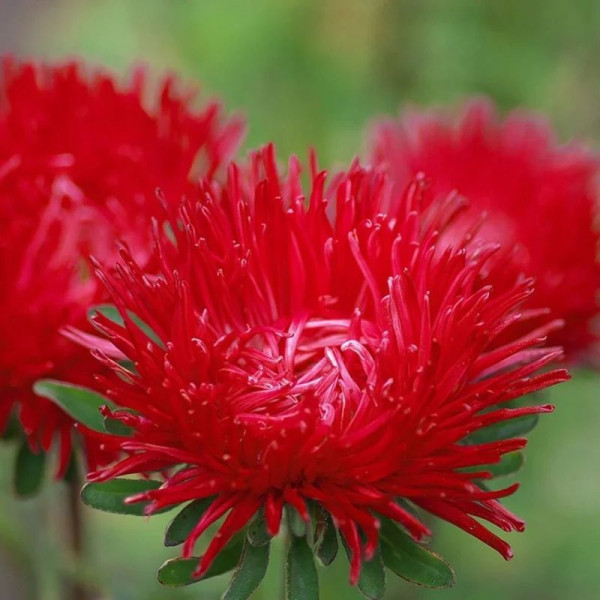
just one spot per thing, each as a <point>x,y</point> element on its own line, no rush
<point>285,544</point>
<point>75,589</point>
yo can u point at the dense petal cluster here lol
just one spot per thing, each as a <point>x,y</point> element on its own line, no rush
<point>80,158</point>
<point>540,197</point>
<point>317,350</point>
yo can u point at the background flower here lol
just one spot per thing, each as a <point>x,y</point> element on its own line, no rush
<point>81,156</point>
<point>541,199</point>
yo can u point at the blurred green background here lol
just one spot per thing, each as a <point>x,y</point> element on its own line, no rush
<point>313,73</point>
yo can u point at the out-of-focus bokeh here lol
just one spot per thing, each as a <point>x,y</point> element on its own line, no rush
<point>313,73</point>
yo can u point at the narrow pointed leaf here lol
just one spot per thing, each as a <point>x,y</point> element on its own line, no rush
<point>81,404</point>
<point>326,545</point>
<point>295,522</point>
<point>29,471</point>
<point>249,572</point>
<point>183,522</point>
<point>509,463</point>
<point>73,472</point>
<point>504,430</point>
<point>111,312</point>
<point>371,581</point>
<point>12,430</point>
<point>411,561</point>
<point>177,572</point>
<point>302,582</point>
<point>257,530</point>
<point>116,427</point>
<point>109,496</point>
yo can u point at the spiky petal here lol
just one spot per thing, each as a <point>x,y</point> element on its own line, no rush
<point>303,356</point>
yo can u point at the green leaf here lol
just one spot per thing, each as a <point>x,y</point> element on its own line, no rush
<point>177,572</point>
<point>302,581</point>
<point>72,474</point>
<point>411,561</point>
<point>183,522</point>
<point>116,427</point>
<point>504,430</point>
<point>249,572</point>
<point>326,545</point>
<point>12,430</point>
<point>257,530</point>
<point>29,471</point>
<point>509,464</point>
<point>81,404</point>
<point>372,574</point>
<point>109,496</point>
<point>111,312</point>
<point>296,523</point>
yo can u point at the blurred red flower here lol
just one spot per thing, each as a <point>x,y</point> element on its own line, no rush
<point>302,357</point>
<point>80,158</point>
<point>540,197</point>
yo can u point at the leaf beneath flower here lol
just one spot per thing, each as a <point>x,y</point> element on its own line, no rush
<point>326,545</point>
<point>249,572</point>
<point>505,430</point>
<point>182,524</point>
<point>509,463</point>
<point>116,427</point>
<point>371,581</point>
<point>110,496</point>
<point>29,471</point>
<point>81,404</point>
<point>302,582</point>
<point>111,312</point>
<point>411,561</point>
<point>257,530</point>
<point>177,572</point>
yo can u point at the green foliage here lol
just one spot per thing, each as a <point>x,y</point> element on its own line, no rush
<point>295,522</point>
<point>257,530</point>
<point>326,545</point>
<point>301,579</point>
<point>372,574</point>
<point>12,430</point>
<point>249,572</point>
<point>29,471</point>
<point>504,430</point>
<point>81,404</point>
<point>178,572</point>
<point>184,521</point>
<point>110,311</point>
<point>116,427</point>
<point>110,496</point>
<point>509,463</point>
<point>412,561</point>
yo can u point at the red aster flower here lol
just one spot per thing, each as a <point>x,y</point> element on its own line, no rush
<point>80,158</point>
<point>540,196</point>
<point>303,358</point>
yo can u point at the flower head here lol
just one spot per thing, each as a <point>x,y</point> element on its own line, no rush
<point>300,356</point>
<point>80,158</point>
<point>540,197</point>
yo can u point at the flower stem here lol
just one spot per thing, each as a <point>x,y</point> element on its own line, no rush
<point>75,589</point>
<point>285,543</point>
